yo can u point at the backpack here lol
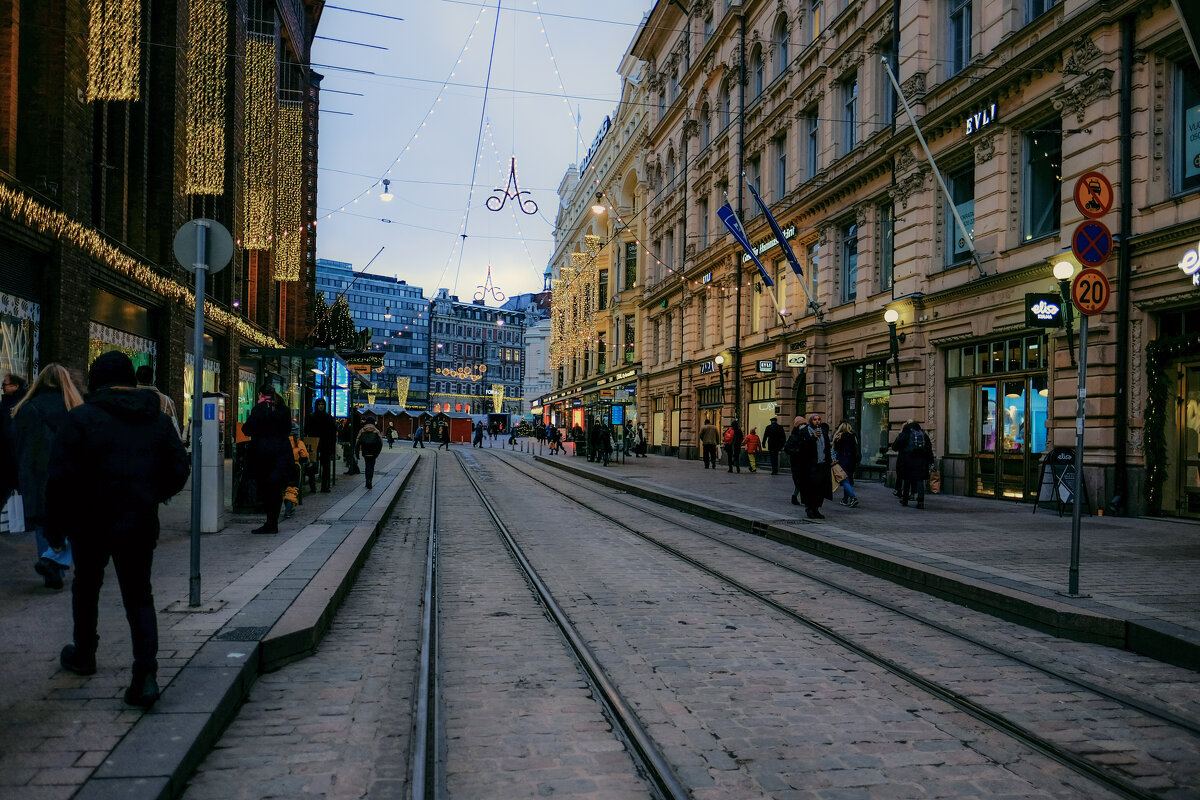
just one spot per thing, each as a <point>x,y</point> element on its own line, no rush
<point>916,442</point>
<point>729,436</point>
<point>370,443</point>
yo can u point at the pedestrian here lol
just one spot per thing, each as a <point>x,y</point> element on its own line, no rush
<point>627,437</point>
<point>321,426</point>
<point>578,438</point>
<point>14,391</point>
<point>810,453</point>
<point>369,445</point>
<point>846,454</point>
<point>418,437</point>
<point>709,436</point>
<point>445,436</point>
<point>916,458</point>
<point>269,453</point>
<point>477,440</point>
<point>346,434</point>
<point>116,457</point>
<point>774,437</point>
<point>391,436</point>
<point>896,448</point>
<point>291,493</point>
<point>752,443</point>
<point>145,380</point>
<point>36,419</point>
<point>640,447</point>
<point>512,436</point>
<point>733,445</point>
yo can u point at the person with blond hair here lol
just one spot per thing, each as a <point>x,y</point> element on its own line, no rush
<point>846,454</point>
<point>35,423</point>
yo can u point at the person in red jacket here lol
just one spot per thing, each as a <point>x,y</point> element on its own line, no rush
<point>752,444</point>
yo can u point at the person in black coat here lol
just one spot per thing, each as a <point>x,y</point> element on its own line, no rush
<point>916,457</point>
<point>774,438</point>
<point>321,425</point>
<point>115,458</point>
<point>270,453</point>
<point>810,452</point>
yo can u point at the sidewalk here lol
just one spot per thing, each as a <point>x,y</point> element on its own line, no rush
<point>265,600</point>
<point>1001,557</point>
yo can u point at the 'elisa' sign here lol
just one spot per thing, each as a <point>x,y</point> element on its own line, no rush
<point>1190,264</point>
<point>1043,311</point>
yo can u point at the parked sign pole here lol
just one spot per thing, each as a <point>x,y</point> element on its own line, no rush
<point>1080,417</point>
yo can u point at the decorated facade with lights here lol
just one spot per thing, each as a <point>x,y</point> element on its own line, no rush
<point>108,149</point>
<point>477,357</point>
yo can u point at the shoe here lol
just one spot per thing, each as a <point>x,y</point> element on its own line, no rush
<point>795,502</point>
<point>51,573</point>
<point>844,501</point>
<point>368,486</point>
<point>266,529</point>
<point>817,515</point>
<point>326,491</point>
<point>142,693</point>
<point>904,501</point>
<point>853,502</point>
<point>921,505</point>
<point>74,661</point>
<point>731,469</point>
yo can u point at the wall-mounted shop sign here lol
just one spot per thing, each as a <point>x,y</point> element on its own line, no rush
<point>799,360</point>
<point>762,247</point>
<point>706,278</point>
<point>707,367</point>
<point>1043,310</point>
<point>766,365</point>
<point>981,119</point>
<point>604,126</point>
<point>1190,264</point>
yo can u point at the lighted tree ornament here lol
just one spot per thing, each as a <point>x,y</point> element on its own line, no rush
<point>512,192</point>
<point>489,289</point>
<point>342,333</point>
<point>573,307</point>
<point>497,397</point>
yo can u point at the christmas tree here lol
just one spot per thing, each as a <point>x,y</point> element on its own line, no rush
<point>320,334</point>
<point>342,333</point>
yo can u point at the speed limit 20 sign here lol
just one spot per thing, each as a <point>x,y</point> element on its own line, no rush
<point>1090,292</point>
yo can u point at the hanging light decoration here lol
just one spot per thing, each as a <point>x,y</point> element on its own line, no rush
<point>573,309</point>
<point>289,180</point>
<point>207,25</point>
<point>114,49</point>
<point>402,390</point>
<point>497,397</point>
<point>258,204</point>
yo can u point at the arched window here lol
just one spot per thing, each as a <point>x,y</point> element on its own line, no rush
<point>725,118</point>
<point>781,43</point>
<point>756,65</point>
<point>705,126</point>
<point>671,169</point>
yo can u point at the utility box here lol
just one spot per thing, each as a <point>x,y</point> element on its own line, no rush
<point>212,463</point>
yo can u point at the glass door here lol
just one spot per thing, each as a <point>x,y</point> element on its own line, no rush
<point>986,428</point>
<point>1189,443</point>
<point>1010,435</point>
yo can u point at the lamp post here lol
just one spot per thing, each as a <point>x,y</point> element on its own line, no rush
<point>720,362</point>
<point>891,317</point>
<point>1063,270</point>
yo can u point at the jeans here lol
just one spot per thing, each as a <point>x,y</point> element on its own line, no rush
<point>369,461</point>
<point>774,456</point>
<point>710,455</point>
<point>133,558</point>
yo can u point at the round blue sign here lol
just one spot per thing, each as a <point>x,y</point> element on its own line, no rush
<point>1092,243</point>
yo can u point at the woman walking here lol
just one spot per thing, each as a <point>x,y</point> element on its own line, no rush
<point>35,422</point>
<point>845,452</point>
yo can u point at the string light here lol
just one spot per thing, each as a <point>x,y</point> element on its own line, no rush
<point>289,178</point>
<point>27,212</point>
<point>497,396</point>
<point>573,313</point>
<point>207,24</point>
<point>258,204</point>
<point>402,391</point>
<point>114,49</point>
<point>472,373</point>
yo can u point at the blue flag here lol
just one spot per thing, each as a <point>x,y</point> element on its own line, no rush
<point>783,245</point>
<point>735,227</point>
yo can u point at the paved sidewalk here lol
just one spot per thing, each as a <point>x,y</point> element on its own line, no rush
<point>265,600</point>
<point>1140,573</point>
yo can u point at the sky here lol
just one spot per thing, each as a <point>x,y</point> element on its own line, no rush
<point>528,111</point>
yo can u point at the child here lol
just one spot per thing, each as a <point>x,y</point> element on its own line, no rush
<point>291,495</point>
<point>752,443</point>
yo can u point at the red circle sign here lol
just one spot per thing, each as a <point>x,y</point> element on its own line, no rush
<point>1092,243</point>
<point>1093,195</point>
<point>1090,292</point>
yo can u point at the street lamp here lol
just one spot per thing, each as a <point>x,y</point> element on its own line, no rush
<point>598,206</point>
<point>891,317</point>
<point>1063,270</point>
<point>386,196</point>
<point>720,362</point>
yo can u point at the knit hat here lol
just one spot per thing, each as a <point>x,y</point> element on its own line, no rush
<point>111,369</point>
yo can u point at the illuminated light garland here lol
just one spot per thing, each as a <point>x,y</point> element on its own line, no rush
<point>28,212</point>
<point>114,49</point>
<point>471,373</point>
<point>258,186</point>
<point>573,310</point>
<point>206,124</point>
<point>497,396</point>
<point>402,391</point>
<point>288,260</point>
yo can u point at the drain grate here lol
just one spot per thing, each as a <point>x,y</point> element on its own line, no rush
<point>242,634</point>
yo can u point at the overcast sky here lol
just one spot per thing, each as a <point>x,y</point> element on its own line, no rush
<point>526,115</point>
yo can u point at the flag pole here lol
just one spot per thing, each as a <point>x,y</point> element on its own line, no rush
<point>769,292</point>
<point>812,304</point>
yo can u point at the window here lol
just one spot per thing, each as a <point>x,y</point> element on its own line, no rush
<point>669,251</point>
<point>959,43</point>
<point>602,286</point>
<point>812,259</point>
<point>662,105</point>
<point>630,340</point>
<point>815,15</point>
<point>781,166</point>
<point>1035,8</point>
<point>781,274</point>
<point>754,175</point>
<point>708,28</point>
<point>850,113</point>
<point>961,184</point>
<point>1043,180</point>
<point>888,102</point>
<point>812,143</point>
<point>705,126</point>
<point>1187,126</point>
<point>725,109</point>
<point>887,246</point>
<point>781,44</point>
<point>701,322</point>
<point>630,264</point>
<point>756,66</point>
<point>702,212</point>
<point>849,262</point>
<point>671,170</point>
<point>658,269</point>
<point>673,87</point>
<point>756,299</point>
<point>669,338</point>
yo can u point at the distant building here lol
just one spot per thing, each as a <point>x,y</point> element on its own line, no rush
<point>396,313</point>
<point>477,353</point>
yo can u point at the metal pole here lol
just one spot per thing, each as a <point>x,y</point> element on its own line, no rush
<point>1080,416</point>
<point>201,267</point>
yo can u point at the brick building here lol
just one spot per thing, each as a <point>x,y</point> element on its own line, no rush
<point>109,144</point>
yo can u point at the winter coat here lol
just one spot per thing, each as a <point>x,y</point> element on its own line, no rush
<point>801,448</point>
<point>709,434</point>
<point>774,437</point>
<point>115,458</point>
<point>33,431</point>
<point>752,443</point>
<point>915,450</point>
<point>373,444</point>
<point>321,425</point>
<point>845,451</point>
<point>270,451</point>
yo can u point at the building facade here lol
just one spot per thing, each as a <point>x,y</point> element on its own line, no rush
<point>1018,102</point>
<point>109,145</point>
<point>477,363</point>
<point>397,315</point>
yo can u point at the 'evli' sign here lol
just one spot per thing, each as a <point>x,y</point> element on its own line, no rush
<point>981,119</point>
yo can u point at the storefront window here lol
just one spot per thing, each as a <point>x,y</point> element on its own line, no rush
<point>141,351</point>
<point>866,403</point>
<point>762,405</point>
<point>659,421</point>
<point>958,420</point>
<point>18,331</point>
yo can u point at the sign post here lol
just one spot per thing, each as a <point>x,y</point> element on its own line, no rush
<point>200,245</point>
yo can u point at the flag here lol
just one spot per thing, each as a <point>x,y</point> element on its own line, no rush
<point>735,227</point>
<point>783,245</point>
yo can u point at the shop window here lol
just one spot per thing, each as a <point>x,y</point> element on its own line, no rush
<point>961,184</point>
<point>1187,126</point>
<point>709,396</point>
<point>958,420</point>
<point>1043,180</point>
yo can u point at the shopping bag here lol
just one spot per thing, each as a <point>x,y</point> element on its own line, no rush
<point>935,481</point>
<point>63,559</point>
<point>12,517</point>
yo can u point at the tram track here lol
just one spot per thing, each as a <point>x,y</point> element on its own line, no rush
<point>1092,769</point>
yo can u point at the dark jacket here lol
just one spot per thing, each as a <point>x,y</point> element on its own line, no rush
<point>321,425</point>
<point>915,450</point>
<point>369,443</point>
<point>845,451</point>
<point>774,437</point>
<point>801,448</point>
<point>115,458</point>
<point>33,432</point>
<point>270,451</point>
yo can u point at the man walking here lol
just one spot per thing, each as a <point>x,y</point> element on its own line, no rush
<point>811,459</point>
<point>774,437</point>
<point>115,458</point>
<point>709,438</point>
<point>321,425</point>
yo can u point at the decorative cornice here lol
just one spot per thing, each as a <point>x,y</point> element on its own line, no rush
<point>1077,98</point>
<point>914,87</point>
<point>1083,52</point>
<point>909,185</point>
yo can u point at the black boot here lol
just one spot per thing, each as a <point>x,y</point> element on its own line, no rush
<point>142,692</point>
<point>72,660</point>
